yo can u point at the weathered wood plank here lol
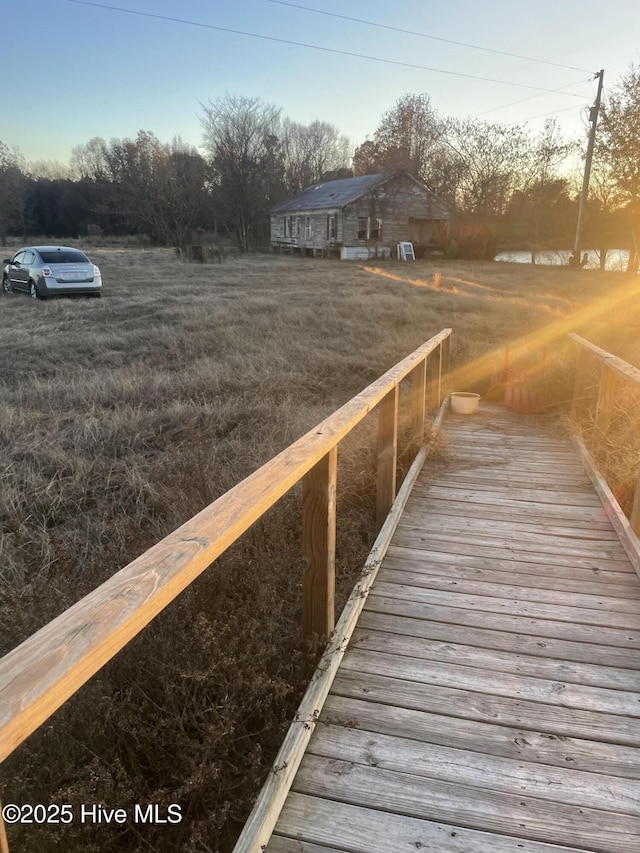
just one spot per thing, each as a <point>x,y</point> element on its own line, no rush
<point>516,607</point>
<point>504,476</point>
<point>451,553</point>
<point>503,527</point>
<point>492,811</point>
<point>468,767</point>
<point>450,511</point>
<point>486,738</point>
<point>463,548</point>
<point>514,662</point>
<point>497,501</point>
<point>563,694</point>
<point>362,830</point>
<point>531,543</point>
<point>581,581</point>
<point>425,580</point>
<point>546,626</point>
<point>469,704</point>
<point>280,844</point>
<point>488,638</point>
<point>514,493</point>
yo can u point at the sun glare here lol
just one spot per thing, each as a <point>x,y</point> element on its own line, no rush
<point>567,319</point>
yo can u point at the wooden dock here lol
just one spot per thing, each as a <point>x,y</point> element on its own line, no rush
<point>489,700</point>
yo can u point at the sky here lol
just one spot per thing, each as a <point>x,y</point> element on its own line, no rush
<point>73,71</point>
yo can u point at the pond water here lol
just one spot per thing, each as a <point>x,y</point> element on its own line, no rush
<point>616,258</point>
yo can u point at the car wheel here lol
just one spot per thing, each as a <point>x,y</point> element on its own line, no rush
<point>33,291</point>
<point>6,285</point>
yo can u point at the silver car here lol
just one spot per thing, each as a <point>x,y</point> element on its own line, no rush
<point>45,271</point>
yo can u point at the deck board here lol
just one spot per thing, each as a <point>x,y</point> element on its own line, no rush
<point>489,699</point>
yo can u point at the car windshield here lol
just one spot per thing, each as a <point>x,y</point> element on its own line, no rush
<point>64,256</point>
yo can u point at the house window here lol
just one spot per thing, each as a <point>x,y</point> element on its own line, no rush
<point>363,228</point>
<point>376,229</point>
<point>332,227</point>
<point>297,234</point>
<point>308,227</point>
<point>288,232</point>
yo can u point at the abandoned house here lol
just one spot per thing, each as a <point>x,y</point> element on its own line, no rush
<point>359,218</point>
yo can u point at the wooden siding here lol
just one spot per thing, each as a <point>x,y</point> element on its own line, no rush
<point>298,239</point>
<point>395,202</point>
<point>489,699</point>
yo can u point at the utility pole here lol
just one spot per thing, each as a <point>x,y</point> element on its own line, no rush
<point>593,118</point>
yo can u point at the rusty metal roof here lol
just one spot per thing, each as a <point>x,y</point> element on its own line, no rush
<point>332,193</point>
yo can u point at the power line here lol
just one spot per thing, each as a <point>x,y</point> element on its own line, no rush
<point>522,101</point>
<point>318,47</point>
<point>427,36</point>
<point>554,112</point>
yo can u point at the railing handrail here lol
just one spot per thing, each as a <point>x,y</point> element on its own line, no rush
<point>40,675</point>
<point>614,362</point>
<point>613,368</point>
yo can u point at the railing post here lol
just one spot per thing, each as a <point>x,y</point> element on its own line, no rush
<point>319,546</point>
<point>606,394</point>
<point>445,358</point>
<point>435,378</point>
<point>580,385</point>
<point>635,512</point>
<point>387,454</point>
<point>418,403</point>
<point>4,844</point>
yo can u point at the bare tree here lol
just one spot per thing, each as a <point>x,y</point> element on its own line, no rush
<point>50,170</point>
<point>160,186</point>
<point>310,153</point>
<point>241,138</point>
<point>410,136</point>
<point>90,159</point>
<point>494,156</point>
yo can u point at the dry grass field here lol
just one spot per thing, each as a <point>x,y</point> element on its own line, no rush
<point>120,418</point>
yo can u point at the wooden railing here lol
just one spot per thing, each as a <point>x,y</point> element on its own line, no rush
<point>40,675</point>
<point>614,374</point>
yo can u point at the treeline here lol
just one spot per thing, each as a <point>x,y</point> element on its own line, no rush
<point>507,187</point>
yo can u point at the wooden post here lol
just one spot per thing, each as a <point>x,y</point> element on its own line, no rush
<point>435,379</point>
<point>606,396</point>
<point>387,454</point>
<point>418,403</point>
<point>319,546</point>
<point>4,844</point>
<point>580,385</point>
<point>635,512</point>
<point>445,349</point>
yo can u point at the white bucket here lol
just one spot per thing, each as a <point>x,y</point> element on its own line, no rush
<point>464,402</point>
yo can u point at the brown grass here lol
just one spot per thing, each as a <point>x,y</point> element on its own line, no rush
<point>121,418</point>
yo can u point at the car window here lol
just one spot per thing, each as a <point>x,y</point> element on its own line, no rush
<point>29,257</point>
<point>64,256</point>
<point>19,258</point>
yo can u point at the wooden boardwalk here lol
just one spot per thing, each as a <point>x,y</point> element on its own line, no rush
<point>490,697</point>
